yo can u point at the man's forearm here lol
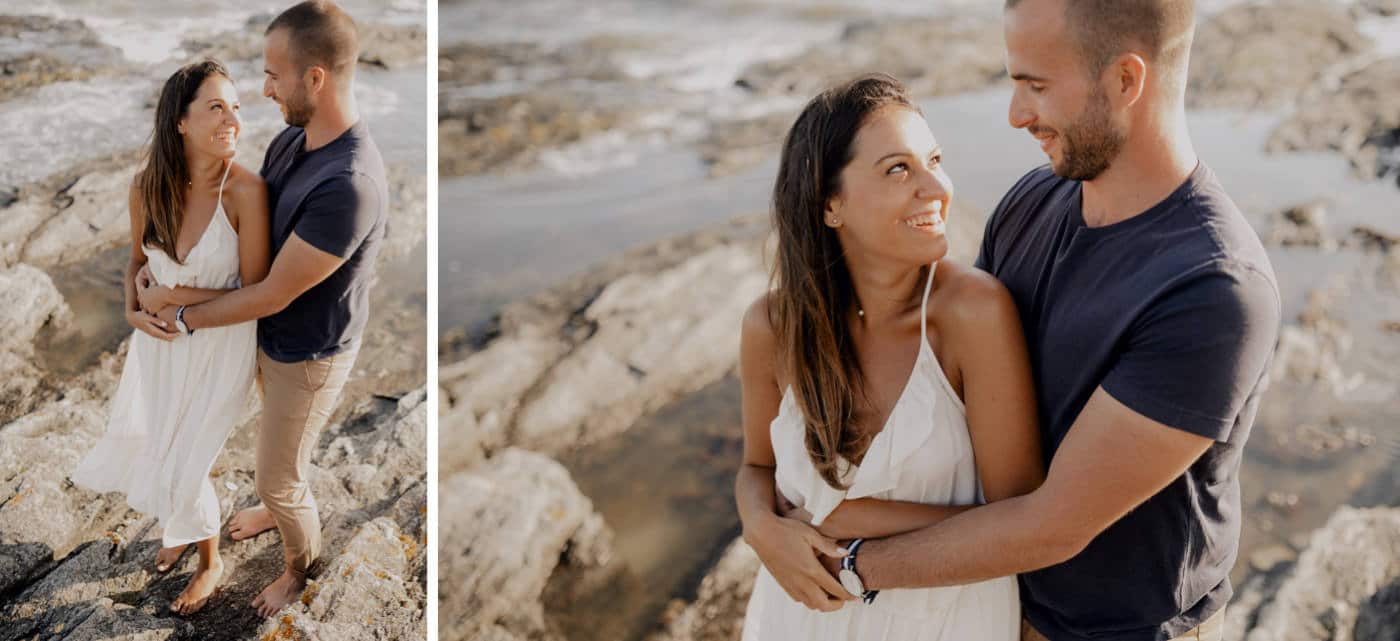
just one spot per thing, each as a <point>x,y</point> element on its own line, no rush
<point>237,306</point>
<point>999,539</point>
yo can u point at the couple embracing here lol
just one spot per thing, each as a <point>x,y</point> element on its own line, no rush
<point>1045,445</point>
<point>240,280</point>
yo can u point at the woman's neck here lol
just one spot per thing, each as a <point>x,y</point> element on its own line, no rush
<point>205,171</point>
<point>884,292</point>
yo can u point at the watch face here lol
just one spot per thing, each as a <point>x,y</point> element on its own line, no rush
<point>851,582</point>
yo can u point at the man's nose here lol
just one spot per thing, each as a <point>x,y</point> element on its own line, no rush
<point>1019,115</point>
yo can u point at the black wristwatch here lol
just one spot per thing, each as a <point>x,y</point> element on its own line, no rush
<point>180,321</point>
<point>849,579</point>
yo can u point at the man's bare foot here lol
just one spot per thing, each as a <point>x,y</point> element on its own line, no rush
<point>279,593</point>
<point>250,523</point>
<point>199,589</point>
<point>166,558</point>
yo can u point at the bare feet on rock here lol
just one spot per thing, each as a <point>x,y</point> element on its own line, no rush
<point>250,523</point>
<point>199,589</point>
<point>279,593</point>
<point>166,558</point>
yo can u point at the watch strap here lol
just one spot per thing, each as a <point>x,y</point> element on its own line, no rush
<point>848,562</point>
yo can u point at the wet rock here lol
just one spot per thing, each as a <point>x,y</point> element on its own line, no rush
<point>522,63</point>
<point>504,525</point>
<point>1253,56</point>
<point>1303,225</point>
<point>36,51</point>
<point>717,614</point>
<point>1380,7</point>
<point>931,56</point>
<point>1346,571</point>
<point>736,145</point>
<point>1372,239</point>
<point>507,133</point>
<point>1358,119</point>
<point>381,46</point>
<point>1311,350</point>
<point>1270,557</point>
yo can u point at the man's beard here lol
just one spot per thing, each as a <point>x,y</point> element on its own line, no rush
<point>1090,143</point>
<point>299,109</point>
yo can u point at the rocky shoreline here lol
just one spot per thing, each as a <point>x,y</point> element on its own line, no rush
<point>576,366</point>
<point>77,565</point>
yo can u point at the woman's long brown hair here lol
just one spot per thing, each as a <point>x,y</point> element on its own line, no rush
<point>813,295</point>
<point>161,182</point>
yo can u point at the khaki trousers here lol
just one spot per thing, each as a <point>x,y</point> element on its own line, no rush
<point>297,402</point>
<point>1212,629</point>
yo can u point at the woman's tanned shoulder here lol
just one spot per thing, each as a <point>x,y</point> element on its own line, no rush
<point>969,300</point>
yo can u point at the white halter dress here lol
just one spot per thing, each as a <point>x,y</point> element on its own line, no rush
<point>178,401</point>
<point>923,454</point>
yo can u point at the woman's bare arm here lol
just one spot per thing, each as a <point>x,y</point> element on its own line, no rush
<point>137,318</point>
<point>787,547</point>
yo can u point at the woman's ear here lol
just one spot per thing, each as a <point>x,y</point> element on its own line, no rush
<point>832,215</point>
<point>180,126</point>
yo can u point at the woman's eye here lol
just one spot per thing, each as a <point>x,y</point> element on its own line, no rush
<point>935,160</point>
<point>897,167</point>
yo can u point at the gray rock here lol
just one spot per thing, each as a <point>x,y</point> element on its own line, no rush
<point>1357,119</point>
<point>1255,56</point>
<point>1348,568</point>
<point>717,614</point>
<point>936,56</point>
<point>362,596</point>
<point>1303,225</point>
<point>32,304</point>
<point>36,51</point>
<point>504,525</point>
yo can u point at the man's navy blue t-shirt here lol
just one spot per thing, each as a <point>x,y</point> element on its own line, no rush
<point>1174,313</point>
<point>334,198</point>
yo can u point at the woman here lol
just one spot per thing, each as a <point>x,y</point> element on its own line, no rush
<point>884,388</point>
<point>199,224</point>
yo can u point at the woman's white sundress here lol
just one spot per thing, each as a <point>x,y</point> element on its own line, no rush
<point>178,401</point>
<point>923,454</point>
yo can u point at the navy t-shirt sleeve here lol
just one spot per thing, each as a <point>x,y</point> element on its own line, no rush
<point>1194,356</point>
<point>339,213</point>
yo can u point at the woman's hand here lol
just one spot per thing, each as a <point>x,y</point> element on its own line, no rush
<point>150,325</point>
<point>154,298</point>
<point>789,549</point>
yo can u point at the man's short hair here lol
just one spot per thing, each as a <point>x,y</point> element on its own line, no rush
<point>320,34</point>
<point>1160,29</point>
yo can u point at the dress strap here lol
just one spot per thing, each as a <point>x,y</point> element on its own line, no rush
<point>224,180</point>
<point>923,307</point>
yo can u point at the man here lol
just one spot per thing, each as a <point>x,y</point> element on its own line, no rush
<point>327,190</point>
<point>1151,313</point>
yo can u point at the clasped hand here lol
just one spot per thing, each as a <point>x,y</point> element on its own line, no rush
<point>800,558</point>
<point>152,298</point>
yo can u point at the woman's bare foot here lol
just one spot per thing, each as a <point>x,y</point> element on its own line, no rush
<point>199,589</point>
<point>250,523</point>
<point>166,558</point>
<point>279,593</point>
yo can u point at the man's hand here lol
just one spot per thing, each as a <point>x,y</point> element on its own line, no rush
<point>167,316</point>
<point>151,325</point>
<point>790,549</point>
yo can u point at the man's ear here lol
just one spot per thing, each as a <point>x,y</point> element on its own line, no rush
<point>315,79</point>
<point>1129,79</point>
